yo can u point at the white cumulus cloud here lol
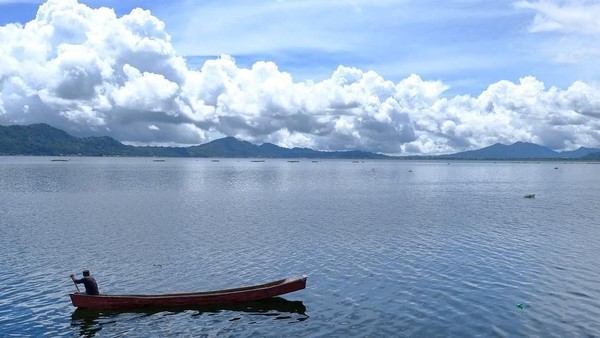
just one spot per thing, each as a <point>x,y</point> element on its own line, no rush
<point>91,72</point>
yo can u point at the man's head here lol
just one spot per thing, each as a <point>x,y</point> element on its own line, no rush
<point>86,273</point>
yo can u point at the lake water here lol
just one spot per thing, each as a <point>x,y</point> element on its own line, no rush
<point>390,248</point>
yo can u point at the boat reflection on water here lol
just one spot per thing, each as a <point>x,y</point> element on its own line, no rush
<point>90,321</point>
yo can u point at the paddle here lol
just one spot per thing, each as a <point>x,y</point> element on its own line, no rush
<point>76,287</point>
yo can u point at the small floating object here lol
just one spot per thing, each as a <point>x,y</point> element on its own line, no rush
<point>293,161</point>
<point>256,161</point>
<point>410,171</point>
<point>555,167</point>
<point>529,196</point>
<point>315,161</point>
<point>521,306</point>
<point>214,160</point>
<point>158,160</point>
<point>60,160</point>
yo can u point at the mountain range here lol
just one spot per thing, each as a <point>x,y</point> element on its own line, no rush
<point>44,140</point>
<point>524,150</point>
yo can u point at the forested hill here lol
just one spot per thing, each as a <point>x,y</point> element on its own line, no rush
<point>524,150</point>
<point>44,140</point>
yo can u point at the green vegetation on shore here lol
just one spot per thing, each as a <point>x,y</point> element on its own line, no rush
<point>44,140</point>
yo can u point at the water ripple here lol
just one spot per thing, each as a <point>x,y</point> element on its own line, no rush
<point>440,251</point>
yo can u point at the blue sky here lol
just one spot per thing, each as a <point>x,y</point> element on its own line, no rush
<point>466,43</point>
<point>467,46</point>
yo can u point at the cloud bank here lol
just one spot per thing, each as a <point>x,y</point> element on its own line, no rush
<point>91,72</point>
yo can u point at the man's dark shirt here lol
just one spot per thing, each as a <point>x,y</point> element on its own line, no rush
<point>91,288</point>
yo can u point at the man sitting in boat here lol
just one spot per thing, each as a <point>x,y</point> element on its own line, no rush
<point>91,288</point>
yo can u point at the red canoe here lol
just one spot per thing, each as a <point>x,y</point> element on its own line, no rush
<point>238,295</point>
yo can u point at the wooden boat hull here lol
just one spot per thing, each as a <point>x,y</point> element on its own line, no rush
<point>227,296</point>
<point>264,306</point>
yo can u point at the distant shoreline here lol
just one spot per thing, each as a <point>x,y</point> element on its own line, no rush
<point>44,140</point>
<point>65,158</point>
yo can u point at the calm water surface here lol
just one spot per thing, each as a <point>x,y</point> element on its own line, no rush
<point>391,248</point>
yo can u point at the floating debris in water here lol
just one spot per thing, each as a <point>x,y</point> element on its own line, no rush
<point>529,196</point>
<point>521,306</point>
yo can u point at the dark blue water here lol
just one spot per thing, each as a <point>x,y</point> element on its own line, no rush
<point>391,248</point>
